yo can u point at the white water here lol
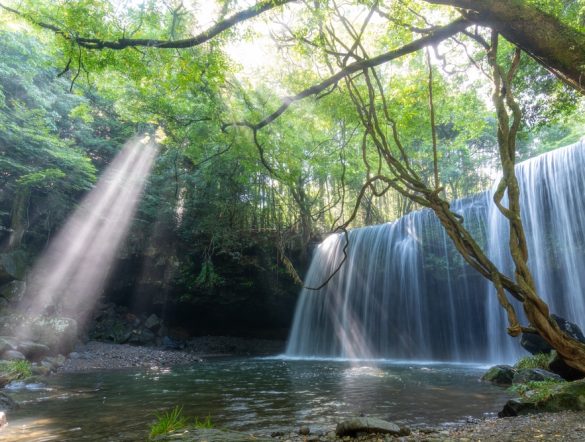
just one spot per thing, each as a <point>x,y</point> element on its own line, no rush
<point>404,292</point>
<point>70,274</point>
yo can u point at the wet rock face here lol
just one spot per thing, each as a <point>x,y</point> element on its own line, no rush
<point>502,375</point>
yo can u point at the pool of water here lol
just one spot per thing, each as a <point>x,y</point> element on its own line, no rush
<point>256,395</point>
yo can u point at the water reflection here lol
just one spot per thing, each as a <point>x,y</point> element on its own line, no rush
<point>255,395</point>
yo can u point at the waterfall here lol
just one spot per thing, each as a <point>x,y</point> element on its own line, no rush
<point>405,293</point>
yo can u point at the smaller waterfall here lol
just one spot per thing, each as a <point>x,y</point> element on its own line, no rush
<point>70,274</point>
<point>405,293</point>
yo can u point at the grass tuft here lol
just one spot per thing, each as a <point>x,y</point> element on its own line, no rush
<point>168,422</point>
<point>539,360</point>
<point>15,369</point>
<point>206,423</point>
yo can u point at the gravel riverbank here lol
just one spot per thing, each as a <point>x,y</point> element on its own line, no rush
<point>95,355</point>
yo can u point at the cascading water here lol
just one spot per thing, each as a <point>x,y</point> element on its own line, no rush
<point>405,293</point>
<point>71,272</point>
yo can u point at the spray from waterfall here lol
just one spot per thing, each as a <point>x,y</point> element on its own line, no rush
<point>71,273</point>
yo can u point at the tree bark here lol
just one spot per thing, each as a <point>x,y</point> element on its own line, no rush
<point>552,43</point>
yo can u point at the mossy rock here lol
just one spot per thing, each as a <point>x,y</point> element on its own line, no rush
<point>568,396</point>
<point>534,375</point>
<point>501,375</point>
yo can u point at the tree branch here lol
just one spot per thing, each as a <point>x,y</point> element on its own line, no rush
<point>123,43</point>
<point>435,37</point>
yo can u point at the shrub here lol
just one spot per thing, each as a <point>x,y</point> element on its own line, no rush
<point>168,422</point>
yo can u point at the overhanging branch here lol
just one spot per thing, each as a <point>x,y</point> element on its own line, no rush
<point>123,43</point>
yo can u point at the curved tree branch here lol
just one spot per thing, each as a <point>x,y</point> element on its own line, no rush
<point>123,43</point>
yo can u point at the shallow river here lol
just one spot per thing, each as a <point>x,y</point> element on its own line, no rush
<point>260,395</point>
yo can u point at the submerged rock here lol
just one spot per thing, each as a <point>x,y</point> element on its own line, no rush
<point>534,374</point>
<point>502,375</point>
<point>351,427</point>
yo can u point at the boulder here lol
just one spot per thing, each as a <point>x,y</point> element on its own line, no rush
<point>172,344</point>
<point>7,403</point>
<point>13,291</point>
<point>352,427</point>
<point>534,374</point>
<point>13,355</point>
<point>33,350</point>
<point>560,367</point>
<point>517,407</point>
<point>7,343</point>
<point>152,322</point>
<point>59,334</point>
<point>567,396</point>
<point>2,419</point>
<point>142,337</point>
<point>534,343</point>
<point>502,375</point>
<point>12,266</point>
<point>557,397</point>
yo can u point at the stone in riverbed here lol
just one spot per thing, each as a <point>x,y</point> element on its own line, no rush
<point>501,375</point>
<point>304,431</point>
<point>534,374</point>
<point>351,427</point>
